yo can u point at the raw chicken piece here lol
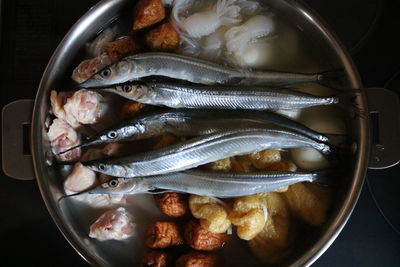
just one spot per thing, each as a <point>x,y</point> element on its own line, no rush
<point>89,67</point>
<point>81,179</point>
<point>96,47</point>
<point>114,224</point>
<point>92,154</point>
<point>62,137</point>
<point>84,107</point>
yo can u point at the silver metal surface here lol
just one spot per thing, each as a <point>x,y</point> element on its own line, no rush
<point>386,107</point>
<point>15,163</point>
<point>72,220</point>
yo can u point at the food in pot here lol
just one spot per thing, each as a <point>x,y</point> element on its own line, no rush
<point>89,67</point>
<point>81,179</point>
<point>176,95</point>
<point>196,259</point>
<point>193,70</point>
<point>239,37</point>
<point>131,109</point>
<point>172,204</point>
<point>113,224</point>
<point>175,137</point>
<point>96,47</point>
<point>62,137</point>
<point>185,123</point>
<point>249,214</point>
<point>211,184</point>
<point>202,150</point>
<point>154,258</point>
<point>309,202</point>
<point>147,13</point>
<point>212,213</point>
<point>163,38</point>
<point>274,242</point>
<point>121,48</point>
<point>163,234</point>
<point>201,239</point>
<point>265,158</point>
<point>206,22</point>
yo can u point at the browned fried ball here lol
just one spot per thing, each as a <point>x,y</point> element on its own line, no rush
<point>154,259</point>
<point>162,38</point>
<point>163,235</point>
<point>172,204</point>
<point>121,48</point>
<point>147,13</point>
<point>201,239</point>
<point>196,259</point>
<point>131,109</point>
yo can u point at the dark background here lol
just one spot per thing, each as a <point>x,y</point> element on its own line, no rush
<point>32,29</point>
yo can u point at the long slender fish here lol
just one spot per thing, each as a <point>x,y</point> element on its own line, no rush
<point>175,95</point>
<point>202,150</point>
<point>208,183</point>
<point>195,123</point>
<point>194,70</point>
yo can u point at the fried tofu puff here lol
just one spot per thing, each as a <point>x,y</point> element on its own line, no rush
<point>163,38</point>
<point>132,109</point>
<point>212,214</point>
<point>201,239</point>
<point>172,204</point>
<point>155,259</point>
<point>224,165</point>
<point>147,13</point>
<point>196,259</point>
<point>121,48</point>
<point>274,241</point>
<point>163,234</point>
<point>265,158</point>
<point>249,215</point>
<point>310,202</point>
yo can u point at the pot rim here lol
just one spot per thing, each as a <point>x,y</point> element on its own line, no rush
<point>329,235</point>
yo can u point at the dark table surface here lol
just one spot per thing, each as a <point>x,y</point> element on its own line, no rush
<point>31,31</point>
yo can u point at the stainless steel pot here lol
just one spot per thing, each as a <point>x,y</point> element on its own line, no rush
<point>71,219</point>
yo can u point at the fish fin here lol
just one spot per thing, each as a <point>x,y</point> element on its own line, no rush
<point>340,152</point>
<point>335,79</point>
<point>327,177</point>
<point>347,101</point>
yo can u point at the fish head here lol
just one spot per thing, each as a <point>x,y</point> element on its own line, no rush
<point>116,186</point>
<point>116,73</point>
<point>114,169</point>
<point>132,90</point>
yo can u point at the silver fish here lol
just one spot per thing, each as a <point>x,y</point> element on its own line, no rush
<point>209,183</point>
<point>175,95</point>
<point>185,123</point>
<point>194,70</point>
<point>202,150</point>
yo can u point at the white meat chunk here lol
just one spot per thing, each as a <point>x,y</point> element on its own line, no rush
<point>81,179</point>
<point>85,107</point>
<point>113,224</point>
<point>62,137</point>
<point>89,67</point>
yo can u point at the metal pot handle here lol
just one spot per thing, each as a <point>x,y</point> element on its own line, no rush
<point>15,128</point>
<point>384,114</point>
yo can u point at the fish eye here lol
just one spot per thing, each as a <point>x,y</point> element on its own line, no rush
<point>102,167</point>
<point>126,88</point>
<point>112,134</point>
<point>113,183</point>
<point>105,73</point>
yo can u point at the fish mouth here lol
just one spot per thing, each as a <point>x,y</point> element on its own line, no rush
<point>86,144</point>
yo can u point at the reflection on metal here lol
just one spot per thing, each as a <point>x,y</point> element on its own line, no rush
<point>384,108</point>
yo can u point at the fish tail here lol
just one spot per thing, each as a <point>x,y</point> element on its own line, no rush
<point>347,100</point>
<point>326,177</point>
<point>332,79</point>
<point>339,152</point>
